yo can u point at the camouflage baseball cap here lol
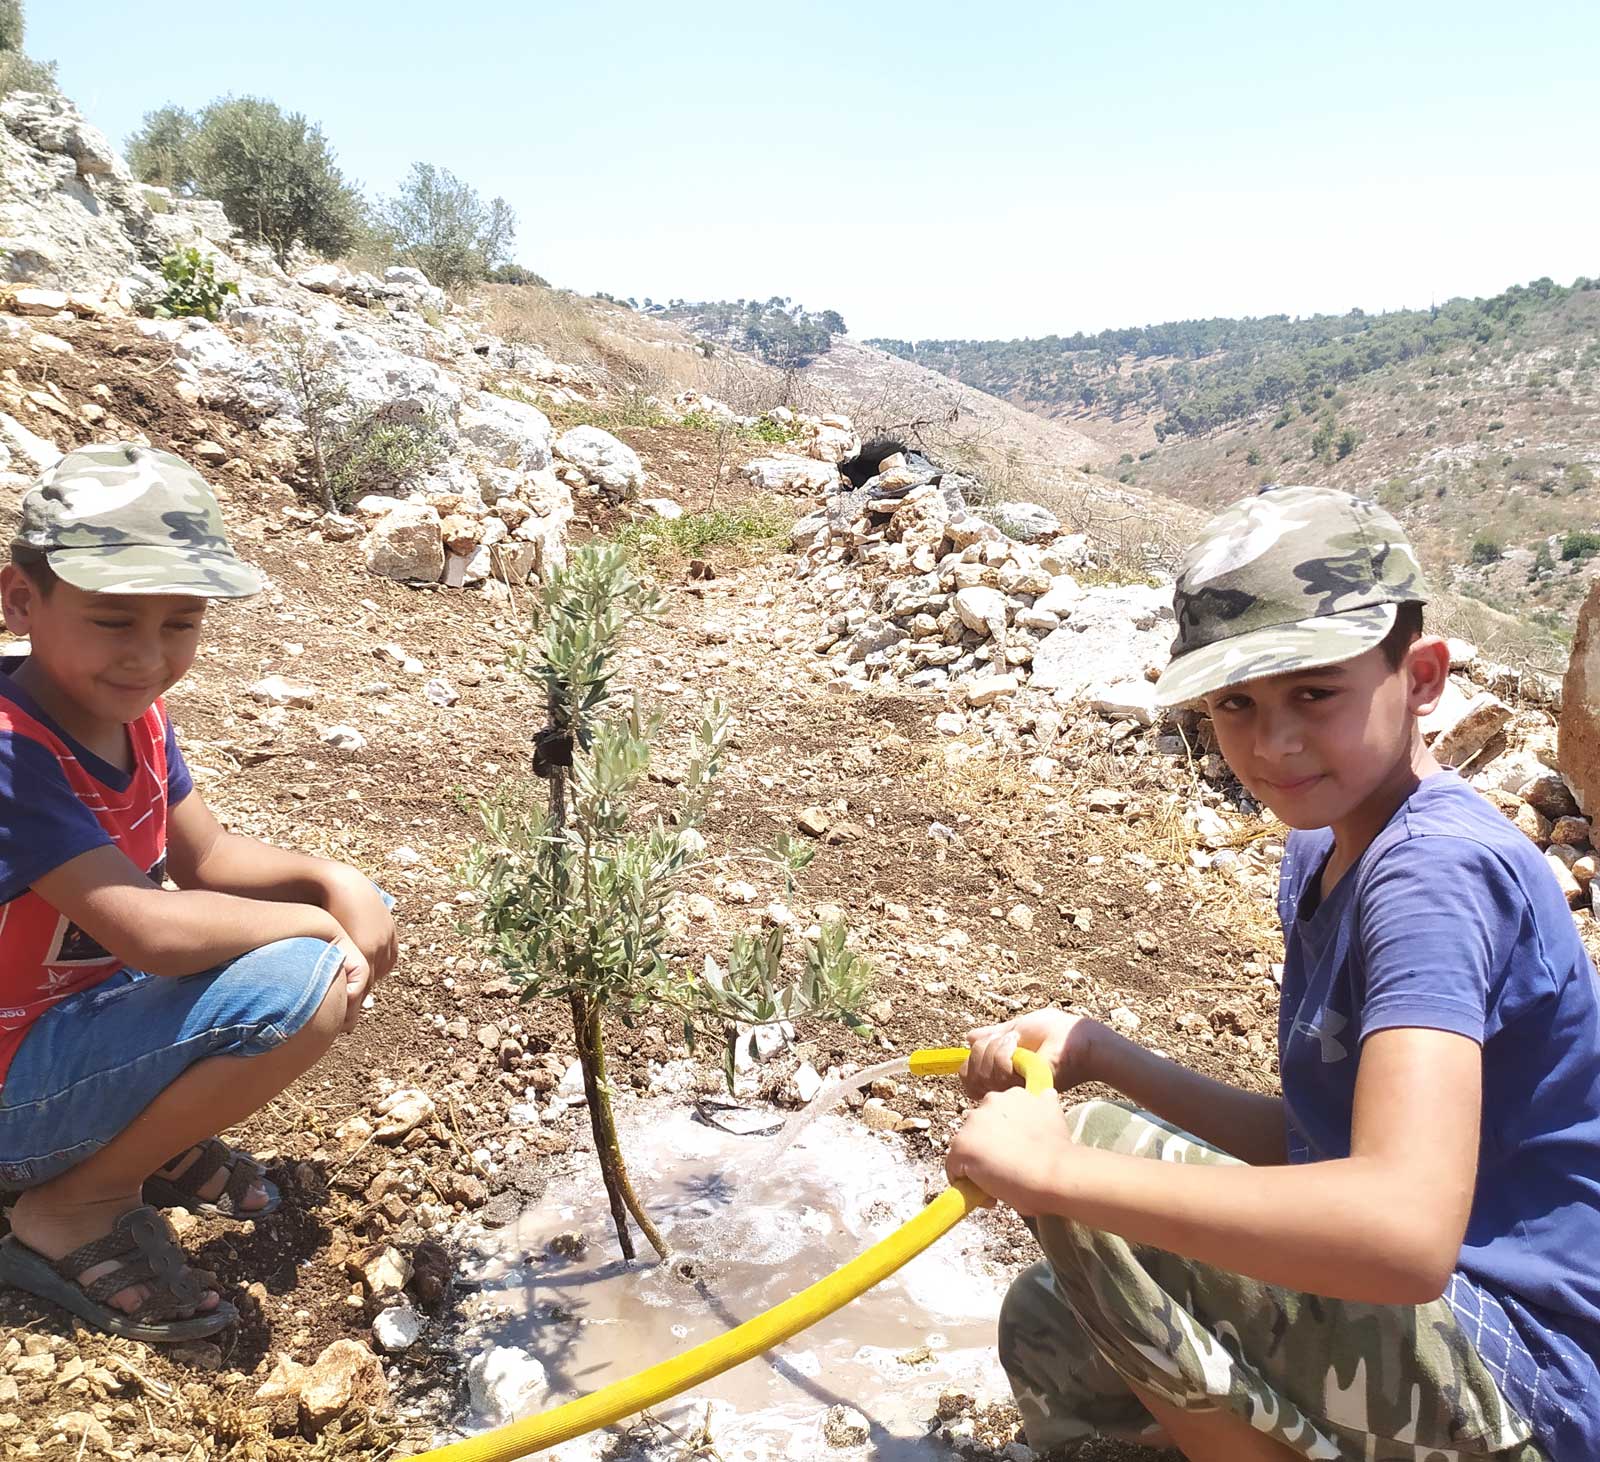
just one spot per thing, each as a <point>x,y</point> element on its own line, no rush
<point>1293,579</point>
<point>118,518</point>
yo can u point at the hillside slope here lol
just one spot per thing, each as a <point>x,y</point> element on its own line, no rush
<point>1016,454</point>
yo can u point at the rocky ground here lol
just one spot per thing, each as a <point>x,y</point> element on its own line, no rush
<point>976,891</point>
<point>959,719</point>
<point>995,843</point>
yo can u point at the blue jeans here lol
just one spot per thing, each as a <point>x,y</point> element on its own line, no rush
<point>88,1066</point>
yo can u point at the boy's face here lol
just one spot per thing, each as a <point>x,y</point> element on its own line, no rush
<point>1317,746</point>
<point>108,655</point>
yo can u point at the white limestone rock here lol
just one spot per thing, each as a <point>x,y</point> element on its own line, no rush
<point>792,474</point>
<point>505,1384</point>
<point>982,610</point>
<point>397,1329</point>
<point>24,448</point>
<point>1133,700</point>
<point>405,544</point>
<point>509,433</point>
<point>602,459</point>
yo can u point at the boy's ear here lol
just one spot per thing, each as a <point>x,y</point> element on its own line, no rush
<point>1427,669</point>
<point>17,593</point>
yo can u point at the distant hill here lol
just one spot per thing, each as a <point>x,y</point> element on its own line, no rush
<point>1477,423</point>
<point>1196,375</point>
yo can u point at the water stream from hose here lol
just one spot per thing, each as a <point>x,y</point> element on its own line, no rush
<point>830,1097</point>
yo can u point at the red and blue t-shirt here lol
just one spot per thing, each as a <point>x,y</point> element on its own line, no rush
<point>58,800</point>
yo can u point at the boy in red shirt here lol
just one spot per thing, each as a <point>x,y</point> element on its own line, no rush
<point>135,1021</point>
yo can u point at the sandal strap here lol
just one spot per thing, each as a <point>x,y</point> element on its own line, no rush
<point>246,1173</point>
<point>210,1158</point>
<point>149,1256</point>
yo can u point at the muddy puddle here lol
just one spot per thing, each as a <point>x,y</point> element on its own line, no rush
<point>747,1231</point>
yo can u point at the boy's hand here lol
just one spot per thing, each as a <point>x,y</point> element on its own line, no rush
<point>355,903</point>
<point>1060,1038</point>
<point>357,976</point>
<point>1012,1145</point>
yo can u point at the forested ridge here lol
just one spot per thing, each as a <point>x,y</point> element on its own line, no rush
<point>1202,374</point>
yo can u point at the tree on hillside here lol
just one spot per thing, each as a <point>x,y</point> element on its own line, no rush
<point>780,332</point>
<point>275,176</point>
<point>163,150</point>
<point>441,225</point>
<point>18,71</point>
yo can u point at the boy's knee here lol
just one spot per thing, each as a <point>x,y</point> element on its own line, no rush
<point>328,1018</point>
<point>291,988</point>
<point>1029,1303</point>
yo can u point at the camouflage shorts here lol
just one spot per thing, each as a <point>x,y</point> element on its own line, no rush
<point>1331,1379</point>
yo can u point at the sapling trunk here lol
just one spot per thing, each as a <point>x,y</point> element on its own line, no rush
<point>603,1123</point>
<point>590,1037</point>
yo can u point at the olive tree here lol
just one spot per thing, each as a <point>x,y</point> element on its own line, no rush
<point>440,224</point>
<point>575,885</point>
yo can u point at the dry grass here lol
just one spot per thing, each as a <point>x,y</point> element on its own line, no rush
<point>972,777</point>
<point>636,356</point>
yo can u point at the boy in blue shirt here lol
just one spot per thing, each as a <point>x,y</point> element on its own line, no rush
<point>1398,1257</point>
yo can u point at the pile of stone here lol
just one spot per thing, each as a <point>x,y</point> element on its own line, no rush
<point>949,601</point>
<point>592,459</point>
<point>458,539</point>
<point>821,443</point>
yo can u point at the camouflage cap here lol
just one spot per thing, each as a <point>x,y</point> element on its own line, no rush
<point>1293,579</point>
<point>118,518</point>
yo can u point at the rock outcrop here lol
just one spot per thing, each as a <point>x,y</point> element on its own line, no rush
<point>1580,709</point>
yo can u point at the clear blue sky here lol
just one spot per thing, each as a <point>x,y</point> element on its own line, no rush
<point>934,169</point>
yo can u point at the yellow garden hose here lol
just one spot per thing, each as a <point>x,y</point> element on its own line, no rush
<point>772,1327</point>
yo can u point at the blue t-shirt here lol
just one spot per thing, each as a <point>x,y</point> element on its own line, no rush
<point>43,824</point>
<point>1451,920</point>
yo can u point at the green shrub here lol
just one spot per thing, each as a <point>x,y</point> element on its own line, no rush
<point>274,174</point>
<point>1346,442</point>
<point>1487,550</point>
<point>693,533</point>
<point>1496,425</point>
<point>1581,543</point>
<point>516,274</point>
<point>1543,563</point>
<point>192,287</point>
<point>765,429</point>
<point>18,71</point>
<point>1253,457</point>
<point>350,449</point>
<point>376,451</point>
<point>272,171</point>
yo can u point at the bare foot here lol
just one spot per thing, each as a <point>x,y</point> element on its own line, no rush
<point>56,1229</point>
<point>255,1197</point>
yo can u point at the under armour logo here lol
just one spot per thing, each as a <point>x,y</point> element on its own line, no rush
<point>1326,1034</point>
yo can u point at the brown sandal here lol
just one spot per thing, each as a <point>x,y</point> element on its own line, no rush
<point>183,1191</point>
<point>149,1256</point>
